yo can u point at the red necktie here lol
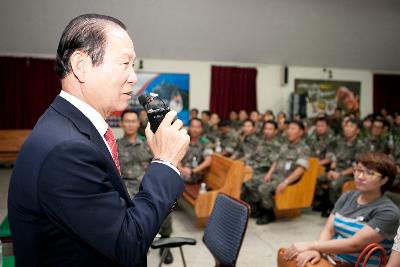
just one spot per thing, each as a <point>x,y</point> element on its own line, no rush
<point>109,136</point>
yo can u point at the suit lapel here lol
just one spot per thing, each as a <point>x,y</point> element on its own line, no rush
<point>85,126</point>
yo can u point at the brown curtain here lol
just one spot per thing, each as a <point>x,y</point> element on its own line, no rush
<point>386,92</point>
<point>233,88</point>
<point>27,88</point>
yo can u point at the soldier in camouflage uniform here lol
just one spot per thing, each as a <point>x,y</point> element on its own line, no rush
<point>260,161</point>
<point>198,156</point>
<point>290,165</point>
<point>133,153</point>
<point>227,139</point>
<point>342,158</point>
<point>213,132</point>
<point>247,142</point>
<point>321,141</point>
<point>134,157</point>
<point>375,141</point>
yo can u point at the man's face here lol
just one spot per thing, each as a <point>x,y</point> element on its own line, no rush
<point>248,128</point>
<point>233,116</point>
<point>350,130</point>
<point>205,117</point>
<point>109,86</point>
<point>130,123</point>
<point>294,133</point>
<point>214,120</point>
<point>243,115</point>
<point>193,114</point>
<point>377,129</point>
<point>254,116</point>
<point>195,129</point>
<point>321,128</point>
<point>224,129</point>
<point>269,131</point>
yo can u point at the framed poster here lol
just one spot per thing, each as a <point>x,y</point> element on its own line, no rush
<point>324,96</point>
<point>172,88</point>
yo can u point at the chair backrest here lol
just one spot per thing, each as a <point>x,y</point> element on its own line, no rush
<point>226,228</point>
<point>301,194</point>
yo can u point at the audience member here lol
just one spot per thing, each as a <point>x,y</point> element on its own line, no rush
<point>198,156</point>
<point>247,141</point>
<point>359,217</point>
<point>342,156</point>
<point>228,138</point>
<point>290,165</point>
<point>259,162</point>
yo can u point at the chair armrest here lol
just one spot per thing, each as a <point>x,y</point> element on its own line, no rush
<point>173,242</point>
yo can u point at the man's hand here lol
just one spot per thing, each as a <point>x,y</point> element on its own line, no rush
<point>333,175</point>
<point>267,178</point>
<point>170,142</point>
<point>280,187</point>
<point>186,172</point>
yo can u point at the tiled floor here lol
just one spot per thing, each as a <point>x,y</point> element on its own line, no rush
<point>259,247</point>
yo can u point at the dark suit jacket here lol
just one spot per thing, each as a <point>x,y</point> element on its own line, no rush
<point>67,203</point>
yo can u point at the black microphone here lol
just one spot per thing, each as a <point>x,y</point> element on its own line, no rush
<point>155,108</point>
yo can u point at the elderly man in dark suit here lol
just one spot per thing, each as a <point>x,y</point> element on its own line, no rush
<point>67,203</point>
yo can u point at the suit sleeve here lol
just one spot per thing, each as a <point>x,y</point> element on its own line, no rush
<point>76,194</point>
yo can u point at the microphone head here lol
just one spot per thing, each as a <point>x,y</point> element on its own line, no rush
<point>142,100</point>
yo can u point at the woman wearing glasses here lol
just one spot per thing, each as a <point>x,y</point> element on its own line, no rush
<point>359,217</point>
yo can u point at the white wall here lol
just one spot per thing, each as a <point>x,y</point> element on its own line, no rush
<point>271,94</point>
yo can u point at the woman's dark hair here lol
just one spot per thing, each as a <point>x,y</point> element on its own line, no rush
<point>382,163</point>
<point>87,33</point>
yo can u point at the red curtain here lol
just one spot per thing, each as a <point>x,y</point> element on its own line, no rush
<point>233,88</point>
<point>386,92</point>
<point>27,88</point>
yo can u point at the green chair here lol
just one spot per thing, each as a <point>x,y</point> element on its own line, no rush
<point>6,240</point>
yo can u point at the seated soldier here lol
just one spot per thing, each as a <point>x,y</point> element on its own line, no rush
<point>233,120</point>
<point>343,156</point>
<point>198,156</point>
<point>321,141</point>
<point>228,139</point>
<point>247,141</point>
<point>213,133</point>
<point>290,165</point>
<point>376,141</point>
<point>259,162</point>
<point>359,217</point>
<point>134,157</point>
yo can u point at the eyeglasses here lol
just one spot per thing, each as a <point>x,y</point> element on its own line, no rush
<point>365,172</point>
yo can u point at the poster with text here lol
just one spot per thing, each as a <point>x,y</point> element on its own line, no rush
<point>323,96</point>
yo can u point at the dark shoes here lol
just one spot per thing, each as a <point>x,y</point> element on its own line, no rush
<point>267,217</point>
<point>168,258</point>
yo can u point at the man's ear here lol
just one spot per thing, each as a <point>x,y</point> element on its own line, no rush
<point>79,64</point>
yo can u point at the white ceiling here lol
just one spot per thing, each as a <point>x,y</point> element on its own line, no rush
<point>361,34</point>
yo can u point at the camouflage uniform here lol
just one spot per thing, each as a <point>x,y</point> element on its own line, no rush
<point>195,155</point>
<point>290,157</point>
<point>212,134</point>
<point>236,124</point>
<point>228,142</point>
<point>320,145</point>
<point>376,144</point>
<point>260,161</point>
<point>246,146</point>
<point>134,159</point>
<point>344,155</point>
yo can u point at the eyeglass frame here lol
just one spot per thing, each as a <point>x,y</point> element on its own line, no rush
<point>357,172</point>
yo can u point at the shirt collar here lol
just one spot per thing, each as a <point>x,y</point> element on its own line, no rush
<point>93,115</point>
